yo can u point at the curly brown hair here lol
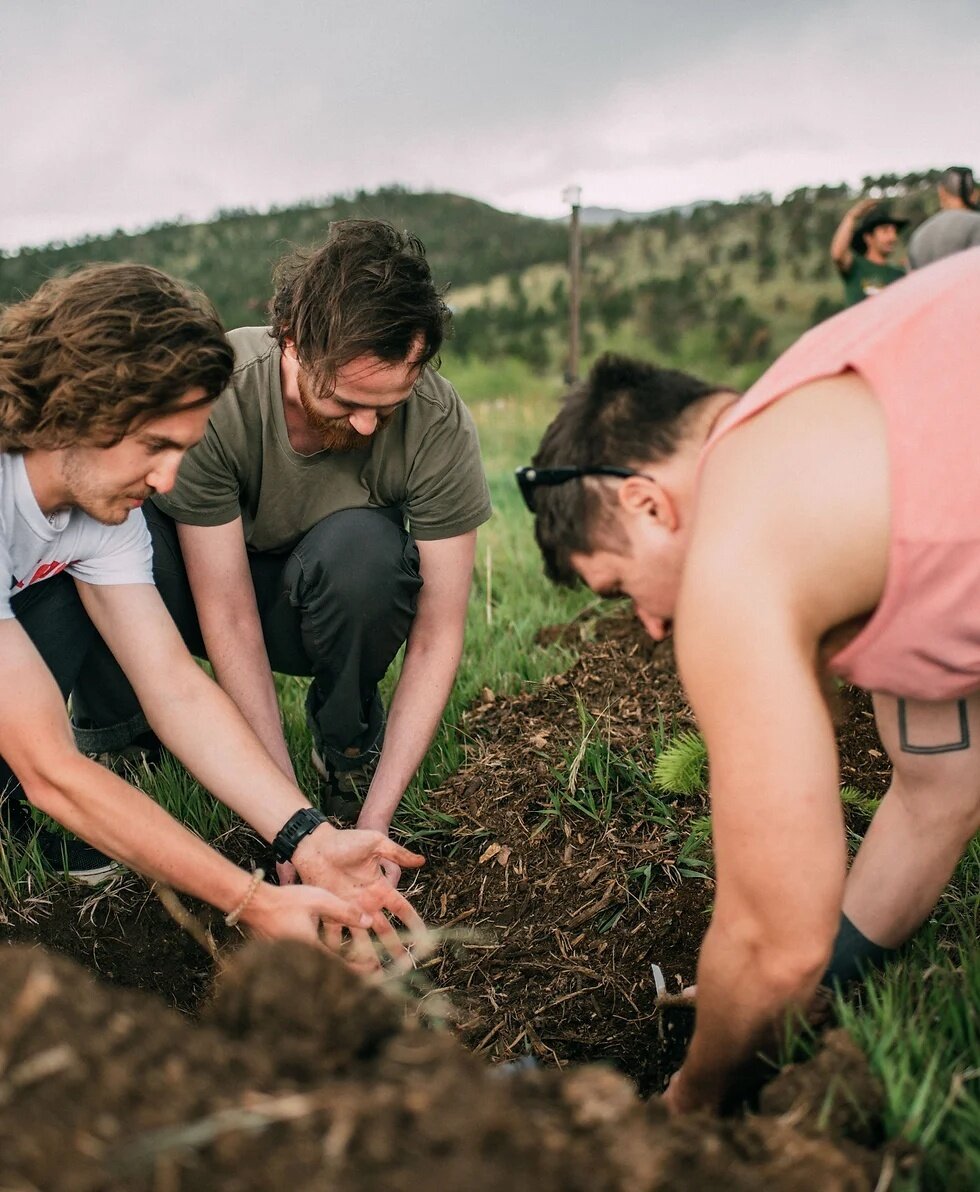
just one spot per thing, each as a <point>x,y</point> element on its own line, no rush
<point>89,357</point>
<point>367,291</point>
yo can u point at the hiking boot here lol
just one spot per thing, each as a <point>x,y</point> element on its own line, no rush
<point>80,861</point>
<point>344,790</point>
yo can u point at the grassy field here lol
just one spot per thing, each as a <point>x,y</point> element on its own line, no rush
<point>920,1024</point>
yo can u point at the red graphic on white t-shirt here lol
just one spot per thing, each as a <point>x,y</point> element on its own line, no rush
<point>45,571</point>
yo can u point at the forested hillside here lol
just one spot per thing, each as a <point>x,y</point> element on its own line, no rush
<point>231,257</point>
<point>720,286</point>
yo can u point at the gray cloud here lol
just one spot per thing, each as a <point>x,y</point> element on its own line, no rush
<point>122,114</point>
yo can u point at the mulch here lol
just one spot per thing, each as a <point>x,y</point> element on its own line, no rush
<point>551,940</point>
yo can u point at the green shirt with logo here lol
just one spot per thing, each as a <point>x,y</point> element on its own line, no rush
<point>865,278</point>
<point>425,462</point>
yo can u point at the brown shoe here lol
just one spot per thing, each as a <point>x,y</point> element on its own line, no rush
<point>344,790</point>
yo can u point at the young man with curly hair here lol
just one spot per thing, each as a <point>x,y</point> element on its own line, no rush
<point>327,517</point>
<point>827,520</point>
<point>107,378</point>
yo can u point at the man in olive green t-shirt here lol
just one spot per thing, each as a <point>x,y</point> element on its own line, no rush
<point>864,240</point>
<point>328,516</point>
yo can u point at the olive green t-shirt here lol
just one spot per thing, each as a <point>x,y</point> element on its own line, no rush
<point>426,462</point>
<point>865,278</point>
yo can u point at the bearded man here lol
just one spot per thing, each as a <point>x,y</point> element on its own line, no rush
<point>283,545</point>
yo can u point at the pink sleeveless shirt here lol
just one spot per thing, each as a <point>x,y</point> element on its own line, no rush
<point>917,347</point>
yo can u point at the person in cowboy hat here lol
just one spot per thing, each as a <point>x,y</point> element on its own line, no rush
<point>865,239</point>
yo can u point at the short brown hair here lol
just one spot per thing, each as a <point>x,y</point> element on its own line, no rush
<point>626,413</point>
<point>367,291</point>
<point>92,355</point>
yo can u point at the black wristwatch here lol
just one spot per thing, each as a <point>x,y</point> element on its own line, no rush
<point>295,829</point>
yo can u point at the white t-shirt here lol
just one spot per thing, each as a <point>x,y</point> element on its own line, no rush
<point>34,547</point>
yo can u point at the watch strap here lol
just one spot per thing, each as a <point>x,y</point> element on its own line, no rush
<point>296,828</point>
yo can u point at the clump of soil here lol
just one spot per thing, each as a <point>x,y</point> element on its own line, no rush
<point>103,1090</point>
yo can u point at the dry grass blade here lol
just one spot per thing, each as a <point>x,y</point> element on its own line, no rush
<point>189,922</point>
<point>143,1152</point>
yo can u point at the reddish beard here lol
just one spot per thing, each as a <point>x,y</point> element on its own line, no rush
<point>337,434</point>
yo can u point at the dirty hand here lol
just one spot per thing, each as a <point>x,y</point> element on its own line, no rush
<point>299,912</point>
<point>350,864</point>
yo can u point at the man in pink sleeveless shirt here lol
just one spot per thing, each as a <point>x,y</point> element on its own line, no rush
<point>827,520</point>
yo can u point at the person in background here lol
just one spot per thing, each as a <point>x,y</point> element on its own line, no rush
<point>826,521</point>
<point>107,377</point>
<point>865,238</point>
<point>955,226</point>
<point>283,545</point>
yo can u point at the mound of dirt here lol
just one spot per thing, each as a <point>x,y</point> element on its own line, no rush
<point>102,1090</point>
<point>555,916</point>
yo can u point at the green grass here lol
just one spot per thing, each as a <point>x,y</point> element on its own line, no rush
<point>919,1024</point>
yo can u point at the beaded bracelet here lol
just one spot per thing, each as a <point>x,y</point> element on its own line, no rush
<point>234,915</point>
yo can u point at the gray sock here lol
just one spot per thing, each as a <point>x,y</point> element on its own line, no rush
<point>853,955</point>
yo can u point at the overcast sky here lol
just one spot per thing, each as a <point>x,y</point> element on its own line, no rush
<point>118,113</point>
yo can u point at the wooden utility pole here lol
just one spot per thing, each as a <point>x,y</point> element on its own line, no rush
<point>572,195</point>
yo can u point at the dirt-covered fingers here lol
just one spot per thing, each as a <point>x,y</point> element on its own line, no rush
<point>397,904</point>
<point>361,953</point>
<point>297,912</point>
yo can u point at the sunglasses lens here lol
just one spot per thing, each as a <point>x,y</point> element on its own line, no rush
<point>526,485</point>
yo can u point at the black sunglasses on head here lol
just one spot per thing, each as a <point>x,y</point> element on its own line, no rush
<point>530,478</point>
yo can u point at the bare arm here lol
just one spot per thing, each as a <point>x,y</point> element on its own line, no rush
<point>435,645</point>
<point>802,552</point>
<point>778,835</point>
<point>36,740</point>
<point>840,244</point>
<point>219,577</point>
<point>201,725</point>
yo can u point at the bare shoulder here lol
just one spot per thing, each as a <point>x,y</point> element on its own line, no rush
<point>796,501</point>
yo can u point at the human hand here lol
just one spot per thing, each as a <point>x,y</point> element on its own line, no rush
<point>391,869</point>
<point>350,864</point>
<point>300,912</point>
<point>862,206</point>
<point>286,873</point>
<point>681,1097</point>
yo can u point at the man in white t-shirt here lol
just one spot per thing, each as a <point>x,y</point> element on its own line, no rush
<point>106,378</point>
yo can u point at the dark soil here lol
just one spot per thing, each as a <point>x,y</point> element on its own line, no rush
<point>551,924</point>
<point>300,1076</point>
<point>555,938</point>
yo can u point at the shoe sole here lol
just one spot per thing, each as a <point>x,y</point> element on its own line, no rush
<point>95,877</point>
